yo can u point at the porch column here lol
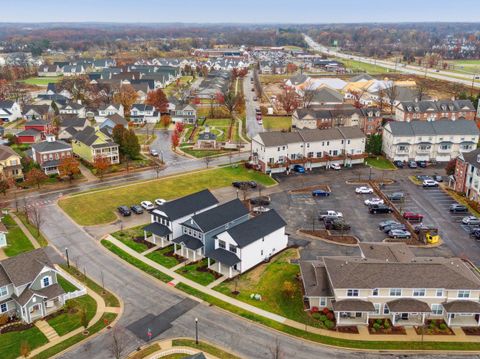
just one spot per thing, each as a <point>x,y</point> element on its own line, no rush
<point>162,238</point>
<point>194,256</point>
<point>368,316</point>
<point>229,272</point>
<point>219,267</point>
<point>182,246</point>
<point>338,317</point>
<point>145,235</point>
<point>154,237</point>
<point>423,318</point>
<point>393,318</point>
<point>449,319</point>
<point>208,261</point>
<point>175,248</point>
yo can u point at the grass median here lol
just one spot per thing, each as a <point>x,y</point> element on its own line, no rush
<point>98,207</point>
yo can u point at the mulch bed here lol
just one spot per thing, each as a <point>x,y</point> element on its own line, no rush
<point>142,240</point>
<point>204,269</point>
<point>309,189</point>
<point>391,330</point>
<point>16,327</point>
<point>471,330</point>
<point>324,234</point>
<point>172,254</point>
<point>348,329</point>
<point>427,330</point>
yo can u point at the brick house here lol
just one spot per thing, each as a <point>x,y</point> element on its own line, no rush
<point>435,110</point>
<point>49,153</point>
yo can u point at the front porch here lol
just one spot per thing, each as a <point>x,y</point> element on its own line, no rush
<point>188,253</point>
<point>352,311</point>
<point>408,311</point>
<point>462,320</point>
<point>352,318</point>
<point>408,319</point>
<point>462,313</point>
<point>160,234</point>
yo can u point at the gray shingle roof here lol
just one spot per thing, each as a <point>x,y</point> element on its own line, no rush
<point>462,306</point>
<point>408,305</point>
<point>353,305</point>
<point>6,152</point>
<point>46,146</point>
<point>315,279</point>
<point>225,257</point>
<point>220,215</point>
<point>189,242</point>
<point>441,127</point>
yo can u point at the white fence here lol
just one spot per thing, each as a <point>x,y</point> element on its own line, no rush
<point>81,289</point>
<point>76,294</point>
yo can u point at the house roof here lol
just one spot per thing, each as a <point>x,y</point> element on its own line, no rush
<point>361,77</point>
<point>441,127</point>
<point>472,157</point>
<point>50,292</point>
<point>189,242</point>
<point>326,94</point>
<point>437,106</point>
<point>393,252</point>
<point>220,215</point>
<point>46,146</point>
<point>462,306</point>
<point>352,305</point>
<point>256,227</point>
<point>186,205</point>
<point>117,119</point>
<point>225,257</point>
<point>157,229</point>
<point>315,279</point>
<point>73,121</point>
<point>408,305</point>
<point>6,152</point>
<point>29,132</point>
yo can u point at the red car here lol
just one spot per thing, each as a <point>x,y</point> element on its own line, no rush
<point>412,216</point>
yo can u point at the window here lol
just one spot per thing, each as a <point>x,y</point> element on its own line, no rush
<point>3,307</point>
<point>310,154</point>
<point>323,302</point>
<point>395,292</point>
<point>46,281</point>
<point>439,293</point>
<point>3,291</point>
<point>261,252</point>
<point>221,244</point>
<point>352,293</point>
<point>386,310</point>
<point>377,308</point>
<point>375,292</point>
<point>463,294</point>
<point>419,292</point>
<point>319,154</point>
<point>437,309</point>
<point>233,249</point>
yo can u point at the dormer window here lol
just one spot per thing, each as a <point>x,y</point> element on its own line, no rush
<point>46,281</point>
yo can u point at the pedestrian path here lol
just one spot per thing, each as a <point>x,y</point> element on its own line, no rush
<point>180,265</point>
<point>153,249</point>
<point>47,330</point>
<point>217,282</point>
<point>25,230</point>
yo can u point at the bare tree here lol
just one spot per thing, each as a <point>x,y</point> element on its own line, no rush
<point>157,167</point>
<point>276,351</point>
<point>245,187</point>
<point>36,216</point>
<point>392,94</point>
<point>308,94</point>
<point>420,91</point>
<point>207,160</point>
<point>381,99</point>
<point>118,342</point>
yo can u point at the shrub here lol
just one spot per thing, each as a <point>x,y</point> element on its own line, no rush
<point>330,316</point>
<point>323,317</point>
<point>314,309</point>
<point>317,316</point>
<point>386,324</point>
<point>3,319</point>
<point>329,324</point>
<point>325,310</point>
<point>432,325</point>
<point>442,326</point>
<point>379,321</point>
<point>376,326</point>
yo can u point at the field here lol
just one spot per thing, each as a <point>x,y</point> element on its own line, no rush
<point>41,81</point>
<point>17,241</point>
<point>357,66</point>
<point>466,66</point>
<point>277,123</point>
<point>103,203</point>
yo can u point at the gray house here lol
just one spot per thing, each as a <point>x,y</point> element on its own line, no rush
<point>29,287</point>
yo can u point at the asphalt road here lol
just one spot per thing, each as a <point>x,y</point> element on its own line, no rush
<point>253,127</point>
<point>409,69</point>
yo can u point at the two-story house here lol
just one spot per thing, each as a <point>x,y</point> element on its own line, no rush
<point>49,154</point>
<point>70,125</point>
<point>388,281</point>
<point>199,231</point>
<point>73,108</point>
<point>435,110</point>
<point>466,178</point>
<point>10,163</point>
<point>37,112</point>
<point>185,113</point>
<point>438,141</point>
<point>91,143</point>
<point>277,151</point>
<point>104,112</point>
<point>167,219</point>
<point>9,111</point>
<point>141,113</point>
<point>28,286</point>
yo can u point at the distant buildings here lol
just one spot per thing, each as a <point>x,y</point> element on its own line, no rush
<point>435,110</point>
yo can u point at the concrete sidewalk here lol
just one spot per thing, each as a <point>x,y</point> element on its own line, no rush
<point>25,230</point>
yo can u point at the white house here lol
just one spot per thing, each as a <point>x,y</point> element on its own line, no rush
<point>275,152</point>
<point>108,110</point>
<point>9,111</point>
<point>438,141</point>
<point>141,113</point>
<point>185,113</point>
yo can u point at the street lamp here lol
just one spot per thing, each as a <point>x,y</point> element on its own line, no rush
<point>161,154</point>
<point>196,331</point>
<point>68,259</point>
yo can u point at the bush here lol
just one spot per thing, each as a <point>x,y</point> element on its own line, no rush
<point>432,325</point>
<point>3,319</point>
<point>314,309</point>
<point>442,326</point>
<point>325,310</point>
<point>317,316</point>
<point>330,316</point>
<point>323,317</point>
<point>379,321</point>
<point>329,324</point>
<point>386,324</point>
<point>376,326</point>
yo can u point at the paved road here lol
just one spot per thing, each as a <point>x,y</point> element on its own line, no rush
<point>253,127</point>
<point>409,69</point>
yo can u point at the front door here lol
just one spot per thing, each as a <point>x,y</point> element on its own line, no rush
<point>404,316</point>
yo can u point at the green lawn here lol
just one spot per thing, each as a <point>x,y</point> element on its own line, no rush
<point>190,271</point>
<point>10,342</point>
<point>160,257</point>
<point>66,285</point>
<point>277,123</point>
<point>38,235</point>
<point>41,81</point>
<point>203,153</point>
<point>380,162</point>
<point>104,202</point>
<point>357,66</point>
<point>467,67</point>
<point>144,140</point>
<point>126,237</point>
<point>17,241</point>
<point>66,322</point>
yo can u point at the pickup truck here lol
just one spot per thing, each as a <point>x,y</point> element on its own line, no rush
<point>330,214</point>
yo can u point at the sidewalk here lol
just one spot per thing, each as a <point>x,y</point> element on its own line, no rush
<point>363,334</point>
<point>90,177</point>
<point>25,230</point>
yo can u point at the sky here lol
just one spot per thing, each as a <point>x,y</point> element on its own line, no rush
<point>239,11</point>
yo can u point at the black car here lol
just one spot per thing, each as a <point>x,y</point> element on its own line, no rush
<point>379,208</point>
<point>136,209</point>
<point>124,211</point>
<point>398,164</point>
<point>241,184</point>
<point>387,229</point>
<point>476,234</point>
<point>438,178</point>
<point>422,164</point>
<point>458,208</point>
<point>396,196</point>
<point>386,223</point>
<point>260,201</point>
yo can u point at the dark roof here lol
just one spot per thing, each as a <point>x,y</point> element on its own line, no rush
<point>46,146</point>
<point>117,119</point>
<point>315,279</point>
<point>472,157</point>
<point>256,227</point>
<point>196,356</point>
<point>186,205</point>
<point>70,130</point>
<point>220,215</point>
<point>50,292</point>
<point>408,305</point>
<point>189,242</point>
<point>6,152</point>
<point>86,136</point>
<point>157,229</point>
<point>393,252</point>
<point>52,163</point>
<point>225,257</point>
<point>73,122</point>
<point>462,306</point>
<point>444,127</point>
<point>352,305</point>
<point>29,132</point>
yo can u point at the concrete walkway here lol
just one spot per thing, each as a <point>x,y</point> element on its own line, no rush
<point>47,330</point>
<point>89,176</point>
<point>25,230</point>
<point>153,249</point>
<point>363,333</point>
<point>223,278</point>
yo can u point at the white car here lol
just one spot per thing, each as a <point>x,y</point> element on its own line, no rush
<point>363,190</point>
<point>429,183</point>
<point>471,220</point>
<point>330,213</point>
<point>260,209</point>
<point>335,166</point>
<point>160,201</point>
<point>154,153</point>
<point>372,201</point>
<point>147,205</point>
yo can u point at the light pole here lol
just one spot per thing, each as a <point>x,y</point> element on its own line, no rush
<point>68,259</point>
<point>196,331</point>
<point>161,156</point>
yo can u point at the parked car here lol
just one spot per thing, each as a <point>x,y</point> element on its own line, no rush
<point>136,209</point>
<point>422,226</point>
<point>124,211</point>
<point>423,177</point>
<point>330,213</point>
<point>240,184</point>
<point>476,234</point>
<point>386,223</point>
<point>260,209</point>
<point>299,169</point>
<point>255,98</point>
<point>379,208</point>
<point>413,216</point>
<point>438,178</point>
<point>335,166</point>
<point>260,201</point>
<point>372,201</point>
<point>412,164</point>
<point>363,190</point>
<point>338,224</point>
<point>160,201</point>
<point>398,164</point>
<point>458,208</point>
<point>147,205</point>
<point>320,193</point>
<point>154,153</point>
<point>396,196</point>
<point>399,233</point>
<point>428,183</point>
<point>394,226</point>
<point>471,220</point>
<point>422,164</point>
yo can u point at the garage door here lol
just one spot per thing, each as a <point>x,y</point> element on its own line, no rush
<point>443,158</point>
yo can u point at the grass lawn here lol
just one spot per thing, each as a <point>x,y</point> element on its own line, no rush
<point>267,280</point>
<point>106,201</point>
<point>146,352</point>
<point>357,66</point>
<point>41,81</point>
<point>38,235</point>
<point>144,139</point>
<point>380,162</point>
<point>160,257</point>
<point>203,153</point>
<point>66,322</point>
<point>17,241</point>
<point>126,237</point>
<point>66,285</point>
<point>277,123</point>
<point>190,271</point>
<point>205,347</point>
<point>10,342</point>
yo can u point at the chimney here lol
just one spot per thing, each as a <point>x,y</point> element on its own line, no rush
<point>50,137</point>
